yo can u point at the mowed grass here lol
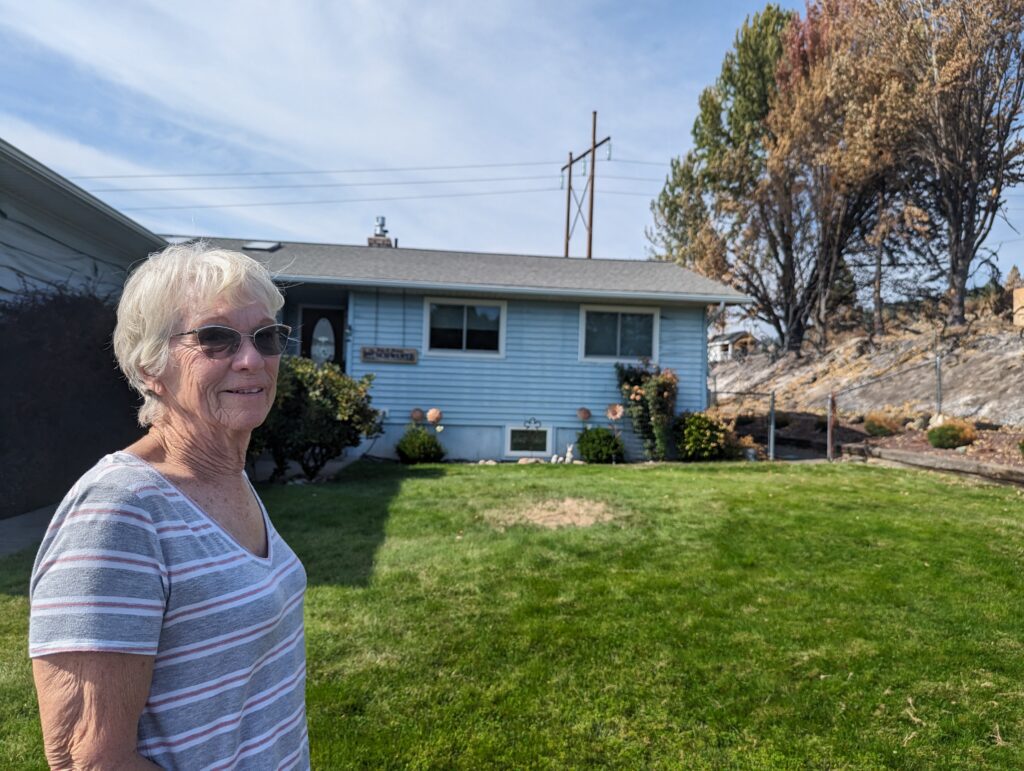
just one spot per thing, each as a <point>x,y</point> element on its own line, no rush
<point>729,616</point>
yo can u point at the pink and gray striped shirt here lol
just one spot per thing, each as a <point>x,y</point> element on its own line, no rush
<point>132,565</point>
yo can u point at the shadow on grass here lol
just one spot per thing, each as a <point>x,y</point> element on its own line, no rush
<point>15,571</point>
<point>337,529</point>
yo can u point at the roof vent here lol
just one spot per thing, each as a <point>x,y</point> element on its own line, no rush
<point>380,235</point>
<point>262,246</point>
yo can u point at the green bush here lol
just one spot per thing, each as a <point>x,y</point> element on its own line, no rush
<point>880,424</point>
<point>318,412</point>
<point>951,434</point>
<point>600,445</point>
<point>64,403</point>
<point>699,437</point>
<point>418,445</point>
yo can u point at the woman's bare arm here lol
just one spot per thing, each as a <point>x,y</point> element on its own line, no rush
<point>89,705</point>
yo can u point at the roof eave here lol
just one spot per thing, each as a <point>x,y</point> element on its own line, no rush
<point>33,168</point>
<point>524,291</point>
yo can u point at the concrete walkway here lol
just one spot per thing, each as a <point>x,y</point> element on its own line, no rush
<point>24,531</point>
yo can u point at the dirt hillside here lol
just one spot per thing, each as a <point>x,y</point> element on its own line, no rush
<point>982,374</point>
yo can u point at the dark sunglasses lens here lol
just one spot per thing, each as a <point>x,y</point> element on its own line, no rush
<point>218,341</point>
<point>271,341</point>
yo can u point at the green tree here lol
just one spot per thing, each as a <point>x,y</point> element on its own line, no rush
<point>721,211</point>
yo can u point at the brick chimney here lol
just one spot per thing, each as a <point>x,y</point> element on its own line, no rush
<point>380,236</point>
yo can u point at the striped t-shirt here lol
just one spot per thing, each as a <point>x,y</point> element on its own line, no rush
<point>131,565</point>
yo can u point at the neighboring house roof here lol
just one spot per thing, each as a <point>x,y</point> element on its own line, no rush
<point>29,184</point>
<point>511,274</point>
<point>732,337</point>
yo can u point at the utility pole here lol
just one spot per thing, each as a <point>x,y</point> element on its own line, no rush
<point>588,220</point>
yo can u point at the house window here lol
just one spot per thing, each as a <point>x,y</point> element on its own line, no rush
<point>458,326</point>
<point>619,333</point>
<point>527,441</point>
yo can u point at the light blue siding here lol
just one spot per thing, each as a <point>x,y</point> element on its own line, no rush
<point>540,375</point>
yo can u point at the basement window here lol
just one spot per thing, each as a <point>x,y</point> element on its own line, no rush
<point>527,442</point>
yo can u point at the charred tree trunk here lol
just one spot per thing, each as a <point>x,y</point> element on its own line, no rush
<point>878,327</point>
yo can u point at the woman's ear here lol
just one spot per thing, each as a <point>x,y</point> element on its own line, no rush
<point>152,383</point>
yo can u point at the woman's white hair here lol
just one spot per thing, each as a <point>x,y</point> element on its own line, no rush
<point>167,290</point>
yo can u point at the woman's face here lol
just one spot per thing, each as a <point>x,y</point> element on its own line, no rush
<point>234,393</point>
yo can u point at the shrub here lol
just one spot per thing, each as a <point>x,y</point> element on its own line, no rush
<point>318,412</point>
<point>952,433</point>
<point>600,445</point>
<point>880,424</point>
<point>418,445</point>
<point>1021,447</point>
<point>64,402</point>
<point>650,395</point>
<point>699,437</point>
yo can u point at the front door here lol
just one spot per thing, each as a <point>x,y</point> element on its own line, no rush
<point>323,335</point>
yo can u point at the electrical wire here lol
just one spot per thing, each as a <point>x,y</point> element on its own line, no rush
<point>336,201</point>
<point>318,171</point>
<point>388,183</point>
<point>317,185</point>
<point>380,170</point>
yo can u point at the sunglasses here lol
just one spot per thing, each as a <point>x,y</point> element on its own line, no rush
<point>223,342</point>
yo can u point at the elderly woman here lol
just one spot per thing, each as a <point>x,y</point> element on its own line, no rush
<point>166,622</point>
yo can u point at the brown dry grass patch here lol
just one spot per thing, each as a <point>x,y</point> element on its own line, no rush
<point>552,514</point>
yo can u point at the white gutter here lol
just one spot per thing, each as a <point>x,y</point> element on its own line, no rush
<point>526,291</point>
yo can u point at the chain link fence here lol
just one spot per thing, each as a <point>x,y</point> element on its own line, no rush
<point>930,381</point>
<point>754,414</point>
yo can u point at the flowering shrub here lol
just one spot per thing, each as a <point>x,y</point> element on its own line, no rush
<point>700,437</point>
<point>600,445</point>
<point>650,395</point>
<point>418,445</point>
<point>318,412</point>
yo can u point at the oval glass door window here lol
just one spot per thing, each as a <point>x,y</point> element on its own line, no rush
<point>322,347</point>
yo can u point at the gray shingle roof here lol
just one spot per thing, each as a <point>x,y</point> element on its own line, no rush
<point>512,274</point>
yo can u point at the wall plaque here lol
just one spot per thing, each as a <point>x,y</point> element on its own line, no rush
<point>381,355</point>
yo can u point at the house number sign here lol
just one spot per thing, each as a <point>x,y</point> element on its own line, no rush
<point>379,355</point>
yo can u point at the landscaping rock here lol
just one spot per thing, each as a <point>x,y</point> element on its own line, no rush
<point>528,461</point>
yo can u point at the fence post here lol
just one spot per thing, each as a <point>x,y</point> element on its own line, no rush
<point>831,409</point>
<point>938,383</point>
<point>771,426</point>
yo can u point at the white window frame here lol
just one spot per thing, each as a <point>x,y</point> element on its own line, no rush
<point>545,453</point>
<point>502,307</point>
<point>654,311</point>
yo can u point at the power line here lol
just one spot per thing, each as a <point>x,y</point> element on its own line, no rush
<point>342,200</point>
<point>317,185</point>
<point>640,163</point>
<point>381,170</point>
<point>316,171</point>
<point>388,183</point>
<point>627,192</point>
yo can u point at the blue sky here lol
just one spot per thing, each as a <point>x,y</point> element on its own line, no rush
<point>196,87</point>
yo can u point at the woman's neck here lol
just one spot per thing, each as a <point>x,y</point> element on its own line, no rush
<point>188,451</point>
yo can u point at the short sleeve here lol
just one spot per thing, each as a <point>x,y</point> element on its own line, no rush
<point>99,582</point>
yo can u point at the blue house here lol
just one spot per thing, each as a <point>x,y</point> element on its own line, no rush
<point>508,346</point>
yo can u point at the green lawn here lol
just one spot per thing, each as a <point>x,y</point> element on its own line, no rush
<point>729,616</point>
